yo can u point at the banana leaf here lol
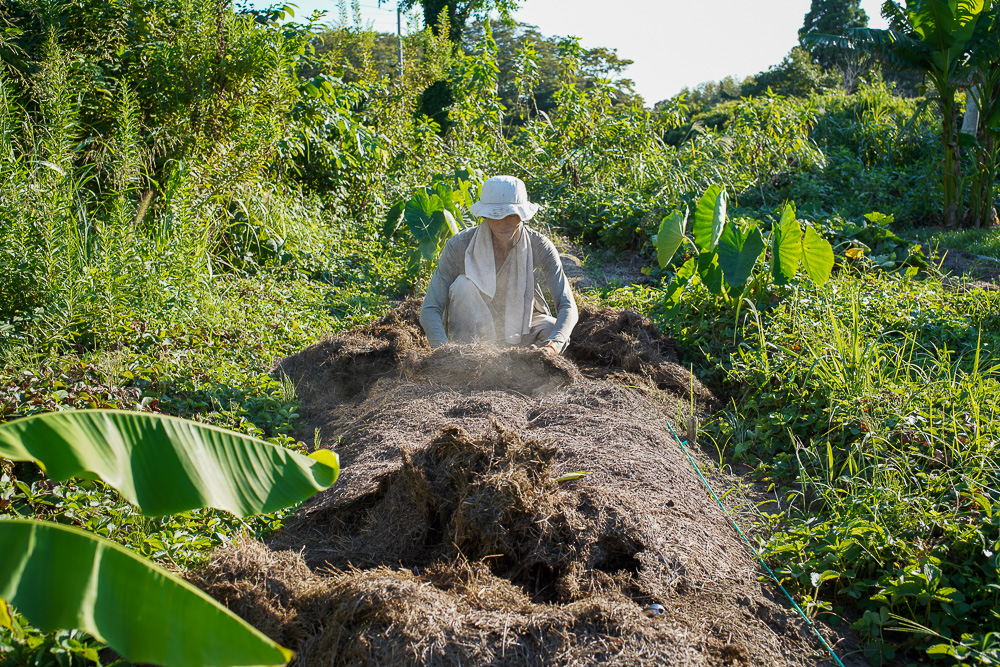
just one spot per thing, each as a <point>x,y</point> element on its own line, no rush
<point>165,464</point>
<point>63,577</point>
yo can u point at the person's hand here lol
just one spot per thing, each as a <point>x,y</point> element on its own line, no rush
<point>550,348</point>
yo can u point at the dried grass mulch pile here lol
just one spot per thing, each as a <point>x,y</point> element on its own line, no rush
<point>447,540</point>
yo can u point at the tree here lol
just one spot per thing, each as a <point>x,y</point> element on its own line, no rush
<point>459,12</point>
<point>795,76</point>
<point>835,17</point>
<point>932,36</point>
<point>831,17</point>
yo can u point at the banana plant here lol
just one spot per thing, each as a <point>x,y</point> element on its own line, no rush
<point>64,577</point>
<point>727,252</point>
<point>984,93</point>
<point>933,37</point>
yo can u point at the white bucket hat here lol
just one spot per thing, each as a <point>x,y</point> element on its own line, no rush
<point>502,196</point>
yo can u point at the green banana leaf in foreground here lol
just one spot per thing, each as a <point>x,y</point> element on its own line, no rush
<point>165,464</point>
<point>63,577</point>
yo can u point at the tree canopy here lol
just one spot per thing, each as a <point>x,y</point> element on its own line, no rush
<point>459,12</point>
<point>831,17</point>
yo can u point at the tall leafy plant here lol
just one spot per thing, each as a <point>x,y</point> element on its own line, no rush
<point>726,252</point>
<point>985,94</point>
<point>435,213</point>
<point>931,36</point>
<point>64,577</point>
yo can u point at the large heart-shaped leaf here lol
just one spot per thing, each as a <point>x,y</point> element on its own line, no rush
<point>709,218</point>
<point>817,256</point>
<point>786,246</point>
<point>670,236</point>
<point>419,215</point>
<point>166,464</point>
<point>63,577</point>
<point>738,252</point>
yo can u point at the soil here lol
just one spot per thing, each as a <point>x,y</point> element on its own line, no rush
<point>966,270</point>
<point>450,540</point>
<point>970,271</point>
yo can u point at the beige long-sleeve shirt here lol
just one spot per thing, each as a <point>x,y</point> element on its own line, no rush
<point>548,271</point>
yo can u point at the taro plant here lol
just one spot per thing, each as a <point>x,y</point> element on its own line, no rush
<point>726,252</point>
<point>62,577</point>
<point>435,213</point>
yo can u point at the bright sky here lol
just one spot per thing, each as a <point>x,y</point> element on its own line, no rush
<point>674,43</point>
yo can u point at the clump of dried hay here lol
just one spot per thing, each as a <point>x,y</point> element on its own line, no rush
<point>448,540</point>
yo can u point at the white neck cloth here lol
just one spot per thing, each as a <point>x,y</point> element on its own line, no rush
<point>481,269</point>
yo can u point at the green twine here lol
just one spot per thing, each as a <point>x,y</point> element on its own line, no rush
<point>752,548</point>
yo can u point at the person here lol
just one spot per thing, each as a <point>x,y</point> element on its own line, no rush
<point>486,284</point>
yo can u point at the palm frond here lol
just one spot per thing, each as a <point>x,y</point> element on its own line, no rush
<point>893,47</point>
<point>895,15</point>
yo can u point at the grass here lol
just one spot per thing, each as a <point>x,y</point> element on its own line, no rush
<point>870,406</point>
<point>985,242</point>
<point>867,406</point>
<point>210,361</point>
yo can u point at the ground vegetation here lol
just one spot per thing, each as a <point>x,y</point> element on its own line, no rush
<point>204,209</point>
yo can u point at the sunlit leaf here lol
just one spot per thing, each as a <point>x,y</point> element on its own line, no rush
<point>817,256</point>
<point>62,577</point>
<point>709,217</point>
<point>570,476</point>
<point>165,464</point>
<point>670,236</point>
<point>786,246</point>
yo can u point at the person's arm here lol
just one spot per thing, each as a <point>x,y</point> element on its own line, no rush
<point>449,266</point>
<point>546,257</point>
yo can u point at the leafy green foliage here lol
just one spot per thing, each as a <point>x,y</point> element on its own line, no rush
<point>897,495</point>
<point>729,250</point>
<point>709,218</point>
<point>435,213</point>
<point>795,76</point>
<point>149,459</point>
<point>62,577</point>
<point>187,196</point>
<point>934,37</point>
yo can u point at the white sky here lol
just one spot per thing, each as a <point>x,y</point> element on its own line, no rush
<point>674,43</point>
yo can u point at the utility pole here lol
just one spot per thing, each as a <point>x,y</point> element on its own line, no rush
<point>399,42</point>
